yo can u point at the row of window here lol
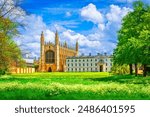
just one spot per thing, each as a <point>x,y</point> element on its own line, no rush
<point>82,60</point>
<point>83,69</point>
<point>83,64</point>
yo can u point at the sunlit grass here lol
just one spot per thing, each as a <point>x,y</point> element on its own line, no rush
<point>90,85</point>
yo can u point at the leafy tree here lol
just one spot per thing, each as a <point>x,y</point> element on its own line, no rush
<point>9,51</point>
<point>134,38</point>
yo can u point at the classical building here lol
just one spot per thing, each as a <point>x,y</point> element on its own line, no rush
<point>98,63</point>
<point>53,55</point>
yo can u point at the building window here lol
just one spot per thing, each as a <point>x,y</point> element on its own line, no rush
<point>106,64</point>
<point>50,57</point>
<point>91,64</point>
<point>72,64</point>
<point>95,59</point>
<point>68,69</point>
<point>91,59</point>
<point>95,69</point>
<point>75,60</point>
<point>91,69</point>
<point>83,69</point>
<point>83,60</point>
<point>95,64</point>
<point>83,64</point>
<point>72,60</point>
<point>106,69</point>
<point>72,69</point>
<point>87,59</point>
<point>68,60</point>
<point>79,64</point>
<point>75,69</point>
<point>76,64</point>
<point>106,59</point>
<point>79,60</point>
<point>79,69</point>
<point>68,65</point>
<point>87,64</point>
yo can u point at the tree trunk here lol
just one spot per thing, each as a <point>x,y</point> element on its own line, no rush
<point>144,70</point>
<point>131,70</point>
<point>136,70</point>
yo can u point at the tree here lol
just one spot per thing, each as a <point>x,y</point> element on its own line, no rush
<point>134,38</point>
<point>9,51</point>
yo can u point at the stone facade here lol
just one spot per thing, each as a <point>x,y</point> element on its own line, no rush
<point>99,63</point>
<point>53,56</point>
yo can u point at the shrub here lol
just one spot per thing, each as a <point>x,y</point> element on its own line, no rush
<point>2,72</point>
<point>120,69</point>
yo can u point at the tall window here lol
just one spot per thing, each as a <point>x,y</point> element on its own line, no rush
<point>50,57</point>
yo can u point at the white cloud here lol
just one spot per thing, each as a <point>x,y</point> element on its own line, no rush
<point>116,13</point>
<point>90,13</point>
<point>106,34</point>
<point>84,41</point>
<point>30,37</point>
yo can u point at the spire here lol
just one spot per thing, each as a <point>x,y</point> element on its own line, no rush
<point>77,46</point>
<point>42,33</point>
<point>65,44</point>
<point>56,38</point>
<point>42,38</point>
<point>42,56</point>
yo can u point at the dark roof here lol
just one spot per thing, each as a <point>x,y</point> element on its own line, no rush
<point>80,57</point>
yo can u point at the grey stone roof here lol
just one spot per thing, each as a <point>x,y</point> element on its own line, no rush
<point>80,57</point>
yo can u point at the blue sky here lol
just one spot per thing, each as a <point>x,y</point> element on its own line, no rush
<point>54,11</point>
<point>94,23</point>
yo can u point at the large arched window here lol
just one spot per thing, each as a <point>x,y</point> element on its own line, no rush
<point>50,57</point>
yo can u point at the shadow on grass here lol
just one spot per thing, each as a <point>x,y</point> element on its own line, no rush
<point>126,79</point>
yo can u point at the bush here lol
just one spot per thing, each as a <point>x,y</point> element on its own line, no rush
<point>120,69</point>
<point>2,72</point>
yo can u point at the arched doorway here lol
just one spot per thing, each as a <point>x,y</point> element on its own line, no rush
<point>49,69</point>
<point>101,68</point>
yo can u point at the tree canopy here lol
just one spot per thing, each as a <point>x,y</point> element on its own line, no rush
<point>134,37</point>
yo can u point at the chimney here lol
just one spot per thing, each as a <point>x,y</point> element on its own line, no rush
<point>89,54</point>
<point>98,54</point>
<point>105,54</point>
<point>82,54</point>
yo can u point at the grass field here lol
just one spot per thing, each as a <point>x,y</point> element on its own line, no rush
<point>94,86</point>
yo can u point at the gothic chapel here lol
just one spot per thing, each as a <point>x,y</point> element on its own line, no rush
<point>53,55</point>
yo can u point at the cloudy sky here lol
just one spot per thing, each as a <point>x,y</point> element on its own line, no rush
<point>94,23</point>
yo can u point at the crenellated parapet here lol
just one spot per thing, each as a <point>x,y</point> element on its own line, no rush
<point>49,43</point>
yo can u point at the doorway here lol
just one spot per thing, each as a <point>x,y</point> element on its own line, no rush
<point>101,68</point>
<point>49,69</point>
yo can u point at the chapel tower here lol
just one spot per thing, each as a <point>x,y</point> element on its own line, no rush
<point>57,50</point>
<point>42,58</point>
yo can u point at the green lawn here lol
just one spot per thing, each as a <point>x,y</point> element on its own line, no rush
<point>87,85</point>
